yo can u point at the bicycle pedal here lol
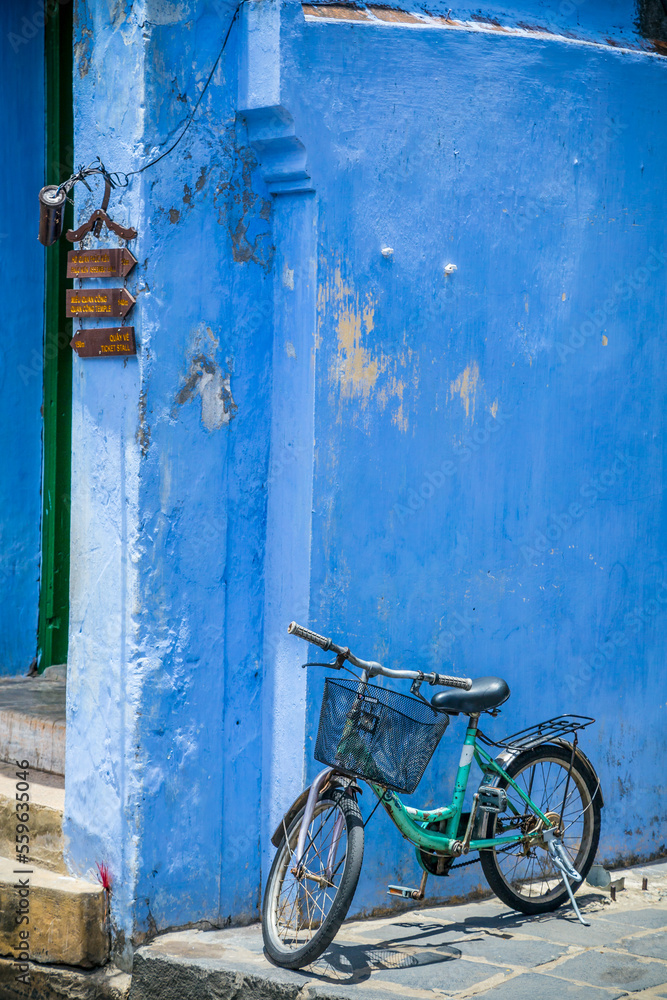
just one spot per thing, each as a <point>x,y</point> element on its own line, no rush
<point>491,799</point>
<point>403,890</point>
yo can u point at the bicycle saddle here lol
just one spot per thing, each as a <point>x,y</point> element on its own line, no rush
<point>485,693</point>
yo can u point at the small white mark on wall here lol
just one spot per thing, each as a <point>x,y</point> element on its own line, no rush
<point>288,276</point>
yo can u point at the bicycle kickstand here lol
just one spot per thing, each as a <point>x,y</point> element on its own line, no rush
<point>564,866</point>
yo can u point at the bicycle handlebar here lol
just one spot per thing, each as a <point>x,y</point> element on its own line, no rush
<point>313,637</point>
<point>373,668</point>
<point>453,682</point>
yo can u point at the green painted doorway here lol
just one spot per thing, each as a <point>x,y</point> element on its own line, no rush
<point>57,405</point>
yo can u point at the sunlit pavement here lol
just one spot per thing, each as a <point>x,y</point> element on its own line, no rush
<point>480,949</point>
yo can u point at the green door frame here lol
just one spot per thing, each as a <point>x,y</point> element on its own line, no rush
<point>57,408</point>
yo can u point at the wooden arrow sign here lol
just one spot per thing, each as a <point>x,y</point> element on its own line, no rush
<point>99,302</point>
<point>104,343</point>
<point>113,263</point>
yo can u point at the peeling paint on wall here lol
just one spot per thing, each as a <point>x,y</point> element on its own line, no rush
<point>245,214</point>
<point>402,371</point>
<point>355,368</point>
<point>288,276</point>
<point>395,389</point>
<point>465,386</point>
<point>82,50</point>
<point>206,380</point>
<point>143,435</point>
<point>360,371</point>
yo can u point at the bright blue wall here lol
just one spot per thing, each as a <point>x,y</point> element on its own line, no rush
<point>21,366</point>
<point>459,417</point>
<point>312,429</point>
<point>203,488</point>
<point>169,473</point>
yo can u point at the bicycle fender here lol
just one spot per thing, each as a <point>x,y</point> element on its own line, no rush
<point>300,801</point>
<point>284,824</point>
<point>503,759</point>
<point>506,756</point>
<point>583,759</point>
<point>319,785</point>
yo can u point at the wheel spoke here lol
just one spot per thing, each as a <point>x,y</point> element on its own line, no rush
<point>528,872</point>
<point>305,894</point>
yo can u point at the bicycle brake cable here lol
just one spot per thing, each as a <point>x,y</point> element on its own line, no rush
<point>381,799</point>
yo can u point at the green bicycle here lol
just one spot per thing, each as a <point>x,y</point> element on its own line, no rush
<point>534,819</point>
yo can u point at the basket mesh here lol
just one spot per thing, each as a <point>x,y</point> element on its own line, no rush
<point>376,734</point>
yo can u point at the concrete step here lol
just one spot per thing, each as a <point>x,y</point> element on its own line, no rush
<point>58,982</point>
<point>67,917</point>
<point>45,823</point>
<point>32,721</point>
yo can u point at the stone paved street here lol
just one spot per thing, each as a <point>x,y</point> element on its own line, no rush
<point>480,949</point>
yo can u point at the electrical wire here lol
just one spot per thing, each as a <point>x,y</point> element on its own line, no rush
<point>194,110</point>
<point>96,167</point>
<point>114,176</point>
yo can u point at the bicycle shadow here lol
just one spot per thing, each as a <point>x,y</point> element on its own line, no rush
<point>355,963</point>
<point>590,904</point>
<point>350,964</point>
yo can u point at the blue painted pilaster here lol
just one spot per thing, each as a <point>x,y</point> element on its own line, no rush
<point>282,158</point>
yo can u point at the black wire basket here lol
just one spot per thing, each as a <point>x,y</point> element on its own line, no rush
<point>376,734</point>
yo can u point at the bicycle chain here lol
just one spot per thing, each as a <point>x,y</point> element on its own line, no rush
<point>464,864</point>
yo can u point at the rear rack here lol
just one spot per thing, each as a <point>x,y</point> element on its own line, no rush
<point>560,725</point>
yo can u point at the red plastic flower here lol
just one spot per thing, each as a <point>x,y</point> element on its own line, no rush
<point>104,876</point>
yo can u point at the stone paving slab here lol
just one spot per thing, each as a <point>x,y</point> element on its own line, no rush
<point>614,969</point>
<point>566,930</point>
<point>534,987</point>
<point>640,918</point>
<point>481,950</point>
<point>649,945</point>
<point>514,951</point>
<point>451,975</point>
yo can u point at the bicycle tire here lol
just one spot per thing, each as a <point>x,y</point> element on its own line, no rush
<point>508,870</point>
<point>282,938</point>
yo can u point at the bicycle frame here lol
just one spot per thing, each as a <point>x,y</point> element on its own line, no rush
<point>407,818</point>
<point>360,738</point>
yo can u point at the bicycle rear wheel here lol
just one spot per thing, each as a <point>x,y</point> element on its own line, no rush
<point>304,907</point>
<point>526,879</point>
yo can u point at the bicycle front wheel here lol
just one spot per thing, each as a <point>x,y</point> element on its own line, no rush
<point>524,876</point>
<point>305,905</point>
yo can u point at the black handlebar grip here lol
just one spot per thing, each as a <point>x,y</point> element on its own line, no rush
<point>305,633</point>
<point>455,682</point>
